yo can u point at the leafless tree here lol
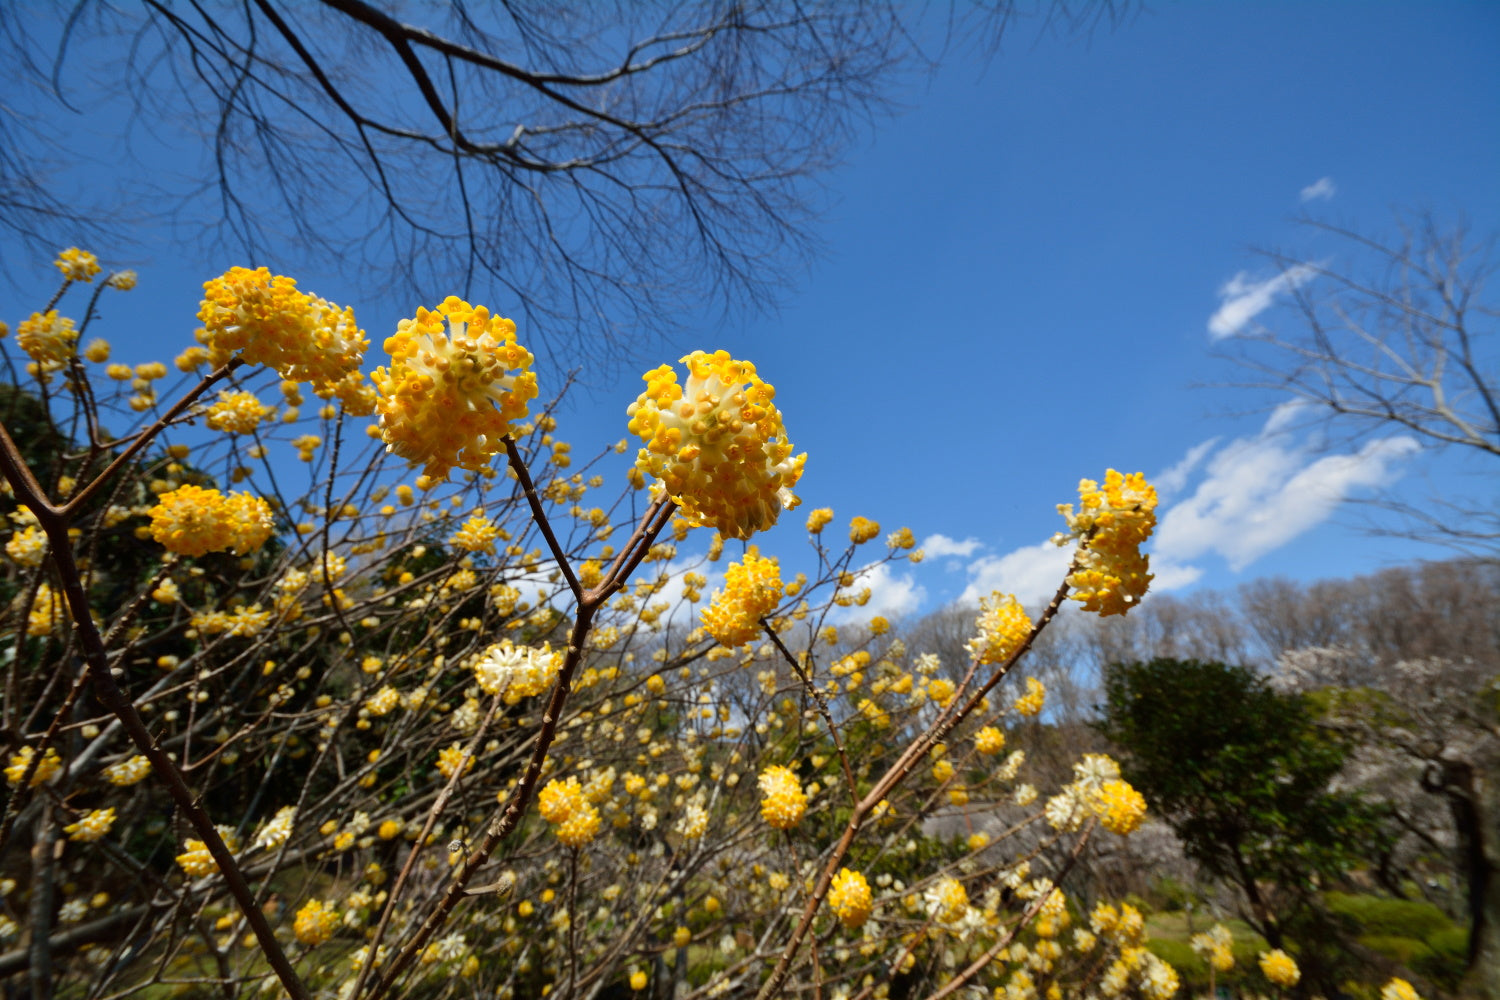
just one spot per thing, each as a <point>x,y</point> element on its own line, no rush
<point>605,170</point>
<point>1395,335</point>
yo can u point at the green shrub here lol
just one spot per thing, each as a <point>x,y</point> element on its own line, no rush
<point>1389,917</point>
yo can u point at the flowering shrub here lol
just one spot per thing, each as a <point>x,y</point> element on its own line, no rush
<point>445,653</point>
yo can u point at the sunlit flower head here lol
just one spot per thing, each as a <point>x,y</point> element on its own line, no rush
<point>48,766</point>
<point>266,321</point>
<point>716,445</point>
<point>191,521</point>
<point>565,805</point>
<point>1035,698</point>
<point>1278,967</point>
<point>477,535</point>
<point>316,922</point>
<point>457,382</point>
<point>989,741</point>
<point>850,899</point>
<point>1003,625</point>
<point>196,861</point>
<point>77,265</point>
<point>50,339</point>
<point>947,901</point>
<point>784,801</point>
<point>1110,525</point>
<point>91,826</point>
<point>27,547</point>
<point>752,589</point>
<point>129,771</point>
<point>238,412</point>
<point>516,672</point>
<point>276,832</point>
<point>1399,989</point>
<point>1119,806</point>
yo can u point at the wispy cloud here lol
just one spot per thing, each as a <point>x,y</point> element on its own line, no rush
<point>1322,189</point>
<point>1260,493</point>
<point>1032,573</point>
<point>1174,479</point>
<point>938,546</point>
<point>1243,298</point>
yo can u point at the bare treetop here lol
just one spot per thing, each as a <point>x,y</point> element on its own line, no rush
<point>1394,336</point>
<point>610,168</point>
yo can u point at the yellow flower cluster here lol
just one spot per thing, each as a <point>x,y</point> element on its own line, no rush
<point>242,622</point>
<point>49,765</point>
<point>477,535</point>
<point>50,339</point>
<point>128,772</point>
<point>266,321</point>
<point>850,899</point>
<point>1119,806</point>
<point>989,740</point>
<point>91,826</point>
<point>238,413</point>
<point>1003,625</point>
<point>1278,967</point>
<point>46,611</point>
<point>457,381</point>
<point>862,529</point>
<point>567,808</point>
<point>1111,524</point>
<point>27,547</point>
<point>1031,703</point>
<point>451,758</point>
<point>752,589</point>
<point>784,802</point>
<point>191,521</point>
<point>77,265</point>
<point>197,862</point>
<point>716,445</point>
<point>276,832</point>
<point>516,672</point>
<point>316,922</point>
<point>1217,944</point>
<point>947,901</point>
<point>818,520</point>
<point>1399,989</point>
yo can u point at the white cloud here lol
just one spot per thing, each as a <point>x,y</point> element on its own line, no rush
<point>1243,298</point>
<point>891,594</point>
<point>1172,576</point>
<point>1033,574</point>
<point>1175,478</point>
<point>938,546</point>
<point>1323,188</point>
<point>1260,493</point>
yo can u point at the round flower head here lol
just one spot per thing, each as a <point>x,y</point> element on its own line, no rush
<point>315,923</point>
<point>1003,625</point>
<point>784,801</point>
<point>1119,806</point>
<point>77,265</point>
<point>267,321</point>
<point>450,397</point>
<point>752,589</point>
<point>1111,524</point>
<point>849,897</point>
<point>1278,967</point>
<point>192,521</point>
<point>49,338</point>
<point>947,901</point>
<point>716,445</point>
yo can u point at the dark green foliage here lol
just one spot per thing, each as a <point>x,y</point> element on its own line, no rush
<point>1241,773</point>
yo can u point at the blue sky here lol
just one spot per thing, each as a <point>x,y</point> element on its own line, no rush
<point>1020,272</point>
